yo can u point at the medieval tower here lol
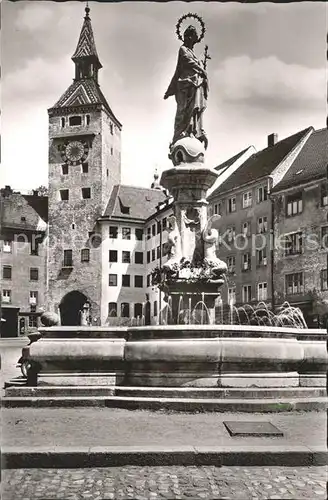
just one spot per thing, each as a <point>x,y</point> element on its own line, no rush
<point>84,165</point>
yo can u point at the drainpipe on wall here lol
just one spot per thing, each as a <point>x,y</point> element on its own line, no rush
<point>272,243</point>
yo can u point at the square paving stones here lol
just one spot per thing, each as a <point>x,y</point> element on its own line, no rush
<point>248,428</point>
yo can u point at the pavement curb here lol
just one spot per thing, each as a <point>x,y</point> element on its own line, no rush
<point>113,456</point>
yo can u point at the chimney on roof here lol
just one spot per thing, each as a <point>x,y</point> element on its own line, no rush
<point>272,140</point>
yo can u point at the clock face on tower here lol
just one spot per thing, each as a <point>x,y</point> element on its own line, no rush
<point>75,152</point>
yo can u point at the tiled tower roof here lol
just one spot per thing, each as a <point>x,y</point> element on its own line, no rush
<point>86,46</point>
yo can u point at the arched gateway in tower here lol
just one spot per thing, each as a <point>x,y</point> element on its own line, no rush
<point>84,165</point>
<point>71,307</point>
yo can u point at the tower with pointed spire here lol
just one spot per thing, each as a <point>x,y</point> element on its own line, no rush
<point>84,165</point>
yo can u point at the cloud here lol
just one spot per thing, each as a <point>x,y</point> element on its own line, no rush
<point>34,17</point>
<point>38,78</point>
<point>269,82</point>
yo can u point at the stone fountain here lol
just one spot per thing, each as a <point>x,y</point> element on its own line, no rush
<point>180,354</point>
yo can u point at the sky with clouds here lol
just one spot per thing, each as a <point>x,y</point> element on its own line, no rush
<point>267,74</point>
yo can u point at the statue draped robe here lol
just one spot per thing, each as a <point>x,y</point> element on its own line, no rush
<point>190,89</point>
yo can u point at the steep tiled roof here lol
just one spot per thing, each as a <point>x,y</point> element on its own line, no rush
<point>261,163</point>
<point>85,91</point>
<point>310,164</point>
<point>226,164</point>
<point>24,212</point>
<point>132,202</point>
<point>86,45</point>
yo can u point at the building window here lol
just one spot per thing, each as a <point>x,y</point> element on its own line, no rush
<point>232,295</point>
<point>87,119</point>
<point>112,280</point>
<point>245,228</point>
<point>111,128</point>
<point>159,227</point>
<point>33,298</point>
<point>137,310</point>
<point>68,258</point>
<point>148,233</point>
<point>261,257</point>
<point>164,223</point>
<point>153,255</point>
<point>155,308</point>
<point>139,234</point>
<point>138,257</point>
<point>262,225</point>
<point>6,272</point>
<point>125,310</point>
<point>148,280</point>
<point>247,262</point>
<point>126,257</point>
<point>294,283</point>
<point>247,199</point>
<point>75,120</point>
<point>324,280</point>
<point>262,291</point>
<point>85,168</point>
<point>62,122</point>
<point>231,205</point>
<point>164,249</point>
<point>158,252</point>
<point>217,209</point>
<point>231,233</point>
<point>86,193</point>
<point>293,244</point>
<point>34,274</point>
<point>112,257</point>
<point>112,309</point>
<point>7,246</point>
<point>247,294</point>
<point>6,296</point>
<point>126,233</point>
<point>111,151</point>
<point>64,194</point>
<point>33,321</point>
<point>153,230</point>
<point>85,255</point>
<point>262,194</point>
<point>138,281</point>
<point>324,195</point>
<point>324,237</point>
<point>126,280</point>
<point>65,169</point>
<point>113,232</point>
<point>294,204</point>
<point>231,262</point>
<point>34,246</point>
<point>148,256</point>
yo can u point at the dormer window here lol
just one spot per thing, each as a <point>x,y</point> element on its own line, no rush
<point>75,120</point>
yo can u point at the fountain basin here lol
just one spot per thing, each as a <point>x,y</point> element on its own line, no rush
<point>180,355</point>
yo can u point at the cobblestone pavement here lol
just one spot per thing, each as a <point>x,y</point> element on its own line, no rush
<point>165,482</point>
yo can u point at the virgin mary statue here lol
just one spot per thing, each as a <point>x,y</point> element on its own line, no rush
<point>190,87</point>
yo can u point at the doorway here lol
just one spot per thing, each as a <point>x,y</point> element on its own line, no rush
<point>70,308</point>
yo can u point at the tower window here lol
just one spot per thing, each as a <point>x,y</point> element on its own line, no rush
<point>86,193</point>
<point>111,151</point>
<point>87,119</point>
<point>64,169</point>
<point>64,194</point>
<point>111,128</point>
<point>34,274</point>
<point>68,258</point>
<point>75,120</point>
<point>85,168</point>
<point>85,255</point>
<point>107,172</point>
<point>62,122</point>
